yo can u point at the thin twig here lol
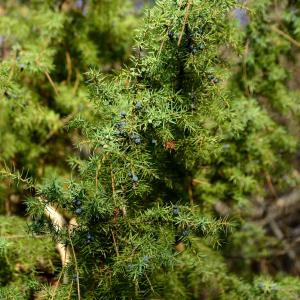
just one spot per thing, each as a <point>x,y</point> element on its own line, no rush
<point>187,12</point>
<point>52,83</point>
<point>290,252</point>
<point>76,267</point>
<point>58,222</point>
<point>112,182</point>
<point>69,66</point>
<point>76,84</point>
<point>70,292</point>
<point>198,181</point>
<point>113,194</point>
<point>286,36</point>
<point>270,185</point>
<point>246,51</point>
<point>115,243</point>
<point>96,179</point>
<point>190,193</point>
<point>161,46</point>
<point>58,280</point>
<point>97,171</point>
<point>151,287</point>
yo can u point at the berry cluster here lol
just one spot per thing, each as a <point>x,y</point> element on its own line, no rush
<point>133,177</point>
<point>136,138</point>
<point>138,106</point>
<point>190,44</point>
<point>180,237</point>
<point>77,202</point>
<point>213,79</point>
<point>175,210</point>
<point>89,238</point>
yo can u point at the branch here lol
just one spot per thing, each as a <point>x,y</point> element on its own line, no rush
<point>282,206</point>
<point>187,12</point>
<point>52,83</point>
<point>59,222</point>
<point>286,36</point>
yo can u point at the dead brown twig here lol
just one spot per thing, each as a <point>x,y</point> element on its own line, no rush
<point>285,35</point>
<point>187,12</point>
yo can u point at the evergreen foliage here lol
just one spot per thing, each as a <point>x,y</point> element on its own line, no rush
<point>181,145</point>
<point>46,47</point>
<point>26,262</point>
<point>266,89</point>
<point>157,124</point>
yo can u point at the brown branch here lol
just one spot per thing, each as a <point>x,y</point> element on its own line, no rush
<point>190,193</point>
<point>59,222</point>
<point>69,66</point>
<point>115,243</point>
<point>270,185</point>
<point>198,181</point>
<point>52,83</point>
<point>76,267</point>
<point>282,206</point>
<point>161,46</point>
<point>290,252</point>
<point>187,12</point>
<point>286,36</point>
<point>76,84</point>
<point>112,182</point>
<point>97,171</point>
<point>244,67</point>
<point>57,284</point>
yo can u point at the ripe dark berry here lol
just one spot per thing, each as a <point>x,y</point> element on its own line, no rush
<point>171,35</point>
<point>77,201</point>
<point>136,138</point>
<point>123,114</point>
<point>185,233</point>
<point>201,46</point>
<point>78,211</point>
<point>175,210</point>
<point>200,30</point>
<point>22,67</point>
<point>215,80</point>
<point>121,124</point>
<point>189,48</point>
<point>89,237</point>
<point>135,178</point>
<point>75,277</point>
<point>260,285</point>
<point>138,105</point>
<point>129,174</point>
<point>6,94</point>
<point>137,141</point>
<point>193,106</point>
